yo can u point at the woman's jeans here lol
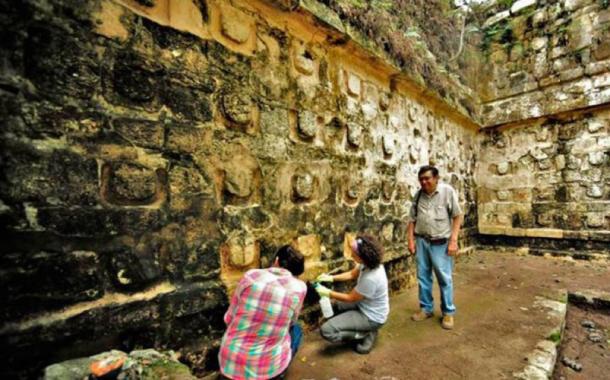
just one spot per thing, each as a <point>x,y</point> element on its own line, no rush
<point>348,324</point>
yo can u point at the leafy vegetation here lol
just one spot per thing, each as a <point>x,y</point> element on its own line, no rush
<point>408,31</point>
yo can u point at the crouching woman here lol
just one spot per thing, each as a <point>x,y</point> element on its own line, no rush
<point>361,312</point>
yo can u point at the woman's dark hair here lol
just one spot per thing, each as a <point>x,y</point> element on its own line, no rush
<point>428,168</point>
<point>369,250</point>
<point>291,259</point>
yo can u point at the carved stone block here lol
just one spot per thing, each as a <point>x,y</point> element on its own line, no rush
<point>237,107</point>
<point>131,184</point>
<point>354,85</point>
<point>303,186</point>
<point>354,134</point>
<point>307,124</point>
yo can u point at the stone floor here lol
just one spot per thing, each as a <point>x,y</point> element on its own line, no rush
<point>505,303</point>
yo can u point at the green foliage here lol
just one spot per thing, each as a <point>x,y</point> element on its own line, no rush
<point>412,33</point>
<point>354,3</point>
<point>555,337</point>
<point>505,4</point>
<point>604,4</point>
<point>500,32</point>
<point>382,4</point>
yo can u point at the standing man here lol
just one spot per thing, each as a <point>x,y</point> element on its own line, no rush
<point>262,334</point>
<point>434,225</point>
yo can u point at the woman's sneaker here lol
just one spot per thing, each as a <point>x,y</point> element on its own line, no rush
<point>367,343</point>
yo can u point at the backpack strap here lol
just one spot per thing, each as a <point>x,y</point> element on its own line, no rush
<point>417,202</point>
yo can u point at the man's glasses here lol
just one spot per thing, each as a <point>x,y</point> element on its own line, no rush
<point>425,178</point>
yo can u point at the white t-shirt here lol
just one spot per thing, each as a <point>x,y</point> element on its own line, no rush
<point>373,285</point>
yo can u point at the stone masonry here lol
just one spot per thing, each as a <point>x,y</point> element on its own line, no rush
<point>544,168</point>
<point>153,151</point>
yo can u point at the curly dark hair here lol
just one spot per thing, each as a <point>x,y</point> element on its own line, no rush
<point>369,250</point>
<point>291,259</point>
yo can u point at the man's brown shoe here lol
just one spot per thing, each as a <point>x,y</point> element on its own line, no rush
<point>447,322</point>
<point>421,315</point>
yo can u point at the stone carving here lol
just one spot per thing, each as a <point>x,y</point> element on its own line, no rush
<point>242,257</point>
<point>544,219</point>
<point>237,108</point>
<point>594,191</point>
<point>354,85</point>
<point>303,186</point>
<point>503,195</point>
<point>503,168</point>
<point>354,134</point>
<point>387,190</point>
<point>384,101</point>
<point>413,110</point>
<point>352,189</point>
<point>237,255</point>
<point>387,232</point>
<point>311,248</point>
<point>389,145</point>
<point>303,62</point>
<point>595,220</point>
<point>238,180</point>
<point>240,252</point>
<point>307,124</point>
<point>131,184</point>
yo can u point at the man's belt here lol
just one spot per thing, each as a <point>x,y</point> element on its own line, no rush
<point>433,241</point>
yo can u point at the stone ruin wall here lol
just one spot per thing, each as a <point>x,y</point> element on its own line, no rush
<point>544,168</point>
<point>153,151</point>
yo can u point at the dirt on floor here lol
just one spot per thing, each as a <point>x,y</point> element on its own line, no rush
<point>498,323</point>
<point>584,352</point>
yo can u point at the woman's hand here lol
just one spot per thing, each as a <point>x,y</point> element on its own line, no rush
<point>322,290</point>
<point>324,277</point>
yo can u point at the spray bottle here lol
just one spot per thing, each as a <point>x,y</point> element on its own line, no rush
<point>327,308</point>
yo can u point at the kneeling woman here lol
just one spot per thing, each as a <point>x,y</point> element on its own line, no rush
<point>361,312</point>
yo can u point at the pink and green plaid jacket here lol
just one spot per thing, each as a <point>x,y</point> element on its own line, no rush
<point>256,344</point>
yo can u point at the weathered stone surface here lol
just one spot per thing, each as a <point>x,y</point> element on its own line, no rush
<point>49,280</point>
<point>566,162</point>
<point>307,124</point>
<point>237,107</point>
<point>354,134</point>
<point>303,186</point>
<point>143,364</point>
<point>503,168</point>
<point>130,144</point>
<point>389,145</point>
<point>234,28</point>
<point>133,183</point>
<point>520,5</point>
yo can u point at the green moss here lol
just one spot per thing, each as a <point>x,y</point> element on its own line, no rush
<point>555,337</point>
<point>505,4</point>
<point>167,369</point>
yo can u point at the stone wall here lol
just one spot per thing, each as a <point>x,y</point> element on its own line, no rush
<point>544,58</point>
<point>152,151</point>
<point>547,184</point>
<point>544,171</point>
